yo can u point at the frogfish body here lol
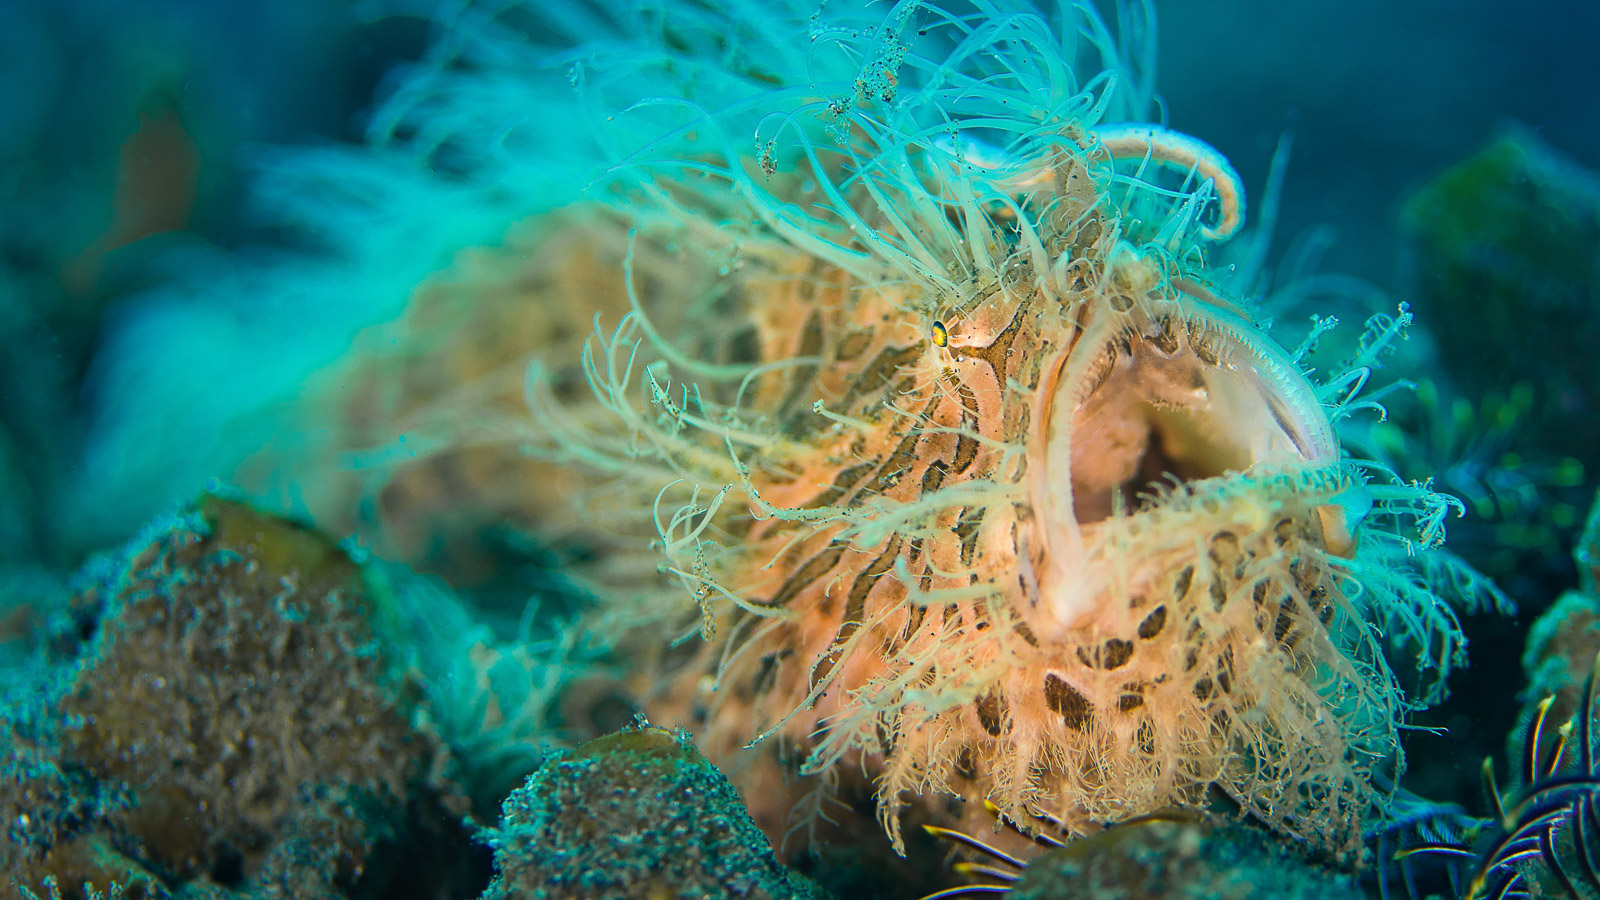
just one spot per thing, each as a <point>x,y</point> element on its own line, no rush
<point>976,474</point>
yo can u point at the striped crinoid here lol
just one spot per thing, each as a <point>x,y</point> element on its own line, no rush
<point>978,476</point>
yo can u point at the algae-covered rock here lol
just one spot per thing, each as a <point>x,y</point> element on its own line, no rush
<point>57,823</point>
<point>1180,858</point>
<point>234,722</point>
<point>640,815</point>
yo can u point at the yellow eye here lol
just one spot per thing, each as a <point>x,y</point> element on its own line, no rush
<point>941,337</point>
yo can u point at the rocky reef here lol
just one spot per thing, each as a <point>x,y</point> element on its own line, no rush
<point>218,712</point>
<point>228,709</point>
<point>640,815</point>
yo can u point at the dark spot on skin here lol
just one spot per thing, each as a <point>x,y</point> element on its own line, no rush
<point>1130,699</point>
<point>802,377</point>
<point>852,345</point>
<point>996,353</point>
<point>879,372</point>
<point>1090,232</point>
<point>1202,689</point>
<point>1258,595</point>
<point>913,622</point>
<point>894,467</point>
<point>1113,654</point>
<point>1064,699</point>
<point>767,671</point>
<point>1283,531</point>
<point>991,709</point>
<point>966,444</point>
<point>1219,594</point>
<point>967,531</point>
<point>1224,549</point>
<point>1305,577</point>
<point>1319,602</point>
<point>1181,586</point>
<point>854,606</point>
<point>1026,633</point>
<point>1284,623</point>
<point>816,567</point>
<point>1153,623</point>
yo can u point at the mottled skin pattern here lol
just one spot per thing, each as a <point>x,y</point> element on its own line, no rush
<point>894,575</point>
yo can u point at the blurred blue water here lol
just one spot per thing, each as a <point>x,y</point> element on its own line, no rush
<point>1379,96</point>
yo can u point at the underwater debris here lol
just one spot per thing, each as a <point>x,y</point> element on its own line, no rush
<point>1005,500</point>
<point>1171,856</point>
<point>635,815</point>
<point>235,691</point>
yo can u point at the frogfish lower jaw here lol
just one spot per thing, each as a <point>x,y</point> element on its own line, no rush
<point>1155,395</point>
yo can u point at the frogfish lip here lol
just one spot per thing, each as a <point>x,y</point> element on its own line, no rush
<point>1164,392</point>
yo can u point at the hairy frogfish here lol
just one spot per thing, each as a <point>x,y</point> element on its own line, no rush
<point>969,463</point>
